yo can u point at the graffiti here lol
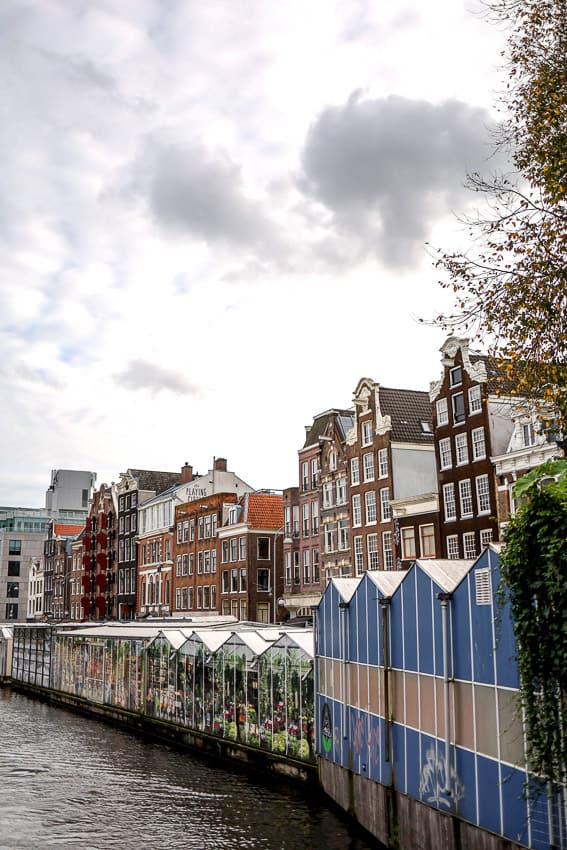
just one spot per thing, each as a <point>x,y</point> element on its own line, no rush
<point>326,730</point>
<point>432,781</point>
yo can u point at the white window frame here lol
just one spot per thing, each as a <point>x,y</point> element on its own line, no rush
<point>366,433</point>
<point>370,515</point>
<point>406,539</point>
<point>373,558</point>
<point>478,441</point>
<point>383,466</point>
<point>354,471</point>
<point>442,411</point>
<point>449,502</point>
<point>482,486</point>
<point>469,545</point>
<point>356,511</point>
<point>466,498</point>
<point>358,555</point>
<point>486,535</point>
<point>385,509</point>
<point>475,400</point>
<point>430,537</point>
<point>368,467</point>
<point>445,453</point>
<point>387,550</point>
<point>461,449</point>
<point>453,547</point>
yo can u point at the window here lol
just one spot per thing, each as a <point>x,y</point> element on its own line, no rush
<point>233,548</point>
<point>358,556</point>
<point>234,581</point>
<point>475,400</point>
<point>11,610</point>
<point>12,590</point>
<point>214,525</point>
<point>387,550</point>
<point>328,494</point>
<point>368,466</point>
<point>199,597</point>
<point>482,494</point>
<point>478,444</point>
<point>263,580</point>
<point>213,560</point>
<point>296,577</point>
<point>315,517</point>
<point>354,471</point>
<point>465,497</point>
<point>356,512</point>
<point>469,547</point>
<point>332,461</point>
<point>382,463</point>
<point>456,377</point>
<point>263,612</point>
<point>288,567</point>
<point>185,531</point>
<point>243,581</point>
<point>213,596</point>
<point>408,542</point>
<point>485,537</point>
<point>449,501</point>
<point>263,548</point>
<point>133,522</point>
<point>191,530</point>
<point>314,473</point>
<point>207,526</point>
<point>207,564</point>
<point>177,598</point>
<point>305,475</point>
<point>178,566</point>
<point>13,568</point>
<point>200,560</point>
<point>528,435</point>
<point>343,534</point>
<point>385,511</point>
<point>305,510</point>
<point>442,412</point>
<point>306,566</point>
<point>15,547</point>
<point>370,507</point>
<point>427,541</point>
<point>458,402</point>
<point>445,455</point>
<point>315,562</point>
<point>241,548</point>
<point>461,449</point>
<point>366,432</point>
<point>200,528</point>
<point>225,581</point>
<point>453,547</point>
<point>372,551</point>
<point>191,563</point>
<point>225,552</point>
<point>179,529</point>
<point>329,540</point>
<point>341,491</point>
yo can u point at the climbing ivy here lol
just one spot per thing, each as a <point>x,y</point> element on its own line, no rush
<point>534,572</point>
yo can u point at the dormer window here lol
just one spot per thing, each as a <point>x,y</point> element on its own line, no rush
<point>528,435</point>
<point>232,516</point>
<point>456,377</point>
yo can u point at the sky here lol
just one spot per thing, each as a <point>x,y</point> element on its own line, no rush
<point>215,219</point>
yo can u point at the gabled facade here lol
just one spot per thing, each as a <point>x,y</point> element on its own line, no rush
<point>335,514</point>
<point>99,575</point>
<point>135,487</point>
<point>390,456</point>
<point>485,438</point>
<point>251,562</point>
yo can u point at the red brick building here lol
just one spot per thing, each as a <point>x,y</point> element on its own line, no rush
<point>99,575</point>
<point>251,558</point>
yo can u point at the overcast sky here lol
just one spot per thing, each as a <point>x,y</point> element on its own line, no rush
<point>213,217</point>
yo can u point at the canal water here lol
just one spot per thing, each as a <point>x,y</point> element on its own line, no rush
<point>73,782</point>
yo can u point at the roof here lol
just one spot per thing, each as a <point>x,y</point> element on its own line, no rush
<point>447,574</point>
<point>150,479</point>
<point>263,510</point>
<point>387,581</point>
<point>407,410</point>
<point>61,529</point>
<point>321,422</point>
<point>346,586</point>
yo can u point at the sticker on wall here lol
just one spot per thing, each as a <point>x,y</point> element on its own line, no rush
<point>326,729</point>
<point>432,785</point>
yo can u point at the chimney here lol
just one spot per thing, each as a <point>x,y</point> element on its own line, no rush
<point>220,464</point>
<point>186,473</point>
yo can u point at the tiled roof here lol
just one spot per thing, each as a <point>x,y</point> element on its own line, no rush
<point>408,409</point>
<point>264,510</point>
<point>61,529</point>
<point>149,479</point>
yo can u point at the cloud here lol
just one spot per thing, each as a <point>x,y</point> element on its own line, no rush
<point>387,167</point>
<point>200,193</point>
<point>142,375</point>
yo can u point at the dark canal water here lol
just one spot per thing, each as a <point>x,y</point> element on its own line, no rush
<point>69,781</point>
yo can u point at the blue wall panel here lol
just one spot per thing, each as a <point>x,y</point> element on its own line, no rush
<point>515,805</point>
<point>462,668</point>
<point>425,622</point>
<point>488,794</point>
<point>409,624</point>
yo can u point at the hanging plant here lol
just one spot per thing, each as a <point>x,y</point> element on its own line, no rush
<point>534,573</point>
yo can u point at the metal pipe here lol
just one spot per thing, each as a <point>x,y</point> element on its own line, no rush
<point>343,609</point>
<point>385,604</point>
<point>444,598</point>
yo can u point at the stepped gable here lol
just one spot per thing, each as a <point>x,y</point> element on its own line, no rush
<point>410,414</point>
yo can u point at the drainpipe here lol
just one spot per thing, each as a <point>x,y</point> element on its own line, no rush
<point>343,610</point>
<point>385,606</point>
<point>445,598</point>
<point>316,690</point>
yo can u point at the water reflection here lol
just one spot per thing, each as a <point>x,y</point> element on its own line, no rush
<point>69,781</point>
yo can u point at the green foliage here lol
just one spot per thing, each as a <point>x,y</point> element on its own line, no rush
<point>511,282</point>
<point>534,572</point>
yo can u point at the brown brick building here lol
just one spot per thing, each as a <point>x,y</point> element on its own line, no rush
<point>99,575</point>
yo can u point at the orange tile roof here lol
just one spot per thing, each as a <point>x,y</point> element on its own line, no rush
<point>265,511</point>
<point>63,530</point>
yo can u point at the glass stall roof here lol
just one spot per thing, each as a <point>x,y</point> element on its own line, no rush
<point>303,641</point>
<point>387,581</point>
<point>447,574</point>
